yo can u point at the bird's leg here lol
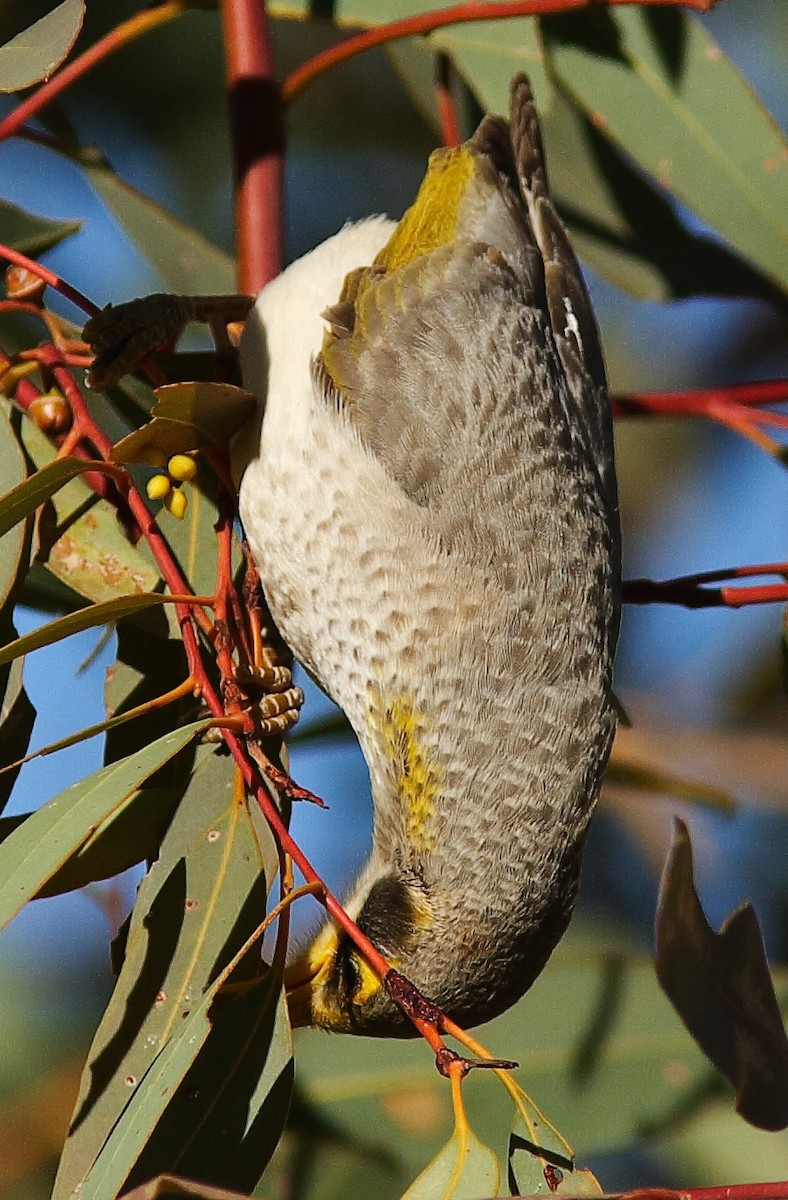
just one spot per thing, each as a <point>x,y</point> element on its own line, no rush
<point>123,335</point>
<point>422,1011</point>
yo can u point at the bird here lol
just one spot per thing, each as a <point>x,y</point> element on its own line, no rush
<point>429,494</point>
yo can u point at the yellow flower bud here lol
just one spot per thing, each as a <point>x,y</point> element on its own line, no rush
<point>182,467</point>
<point>158,487</point>
<point>175,503</point>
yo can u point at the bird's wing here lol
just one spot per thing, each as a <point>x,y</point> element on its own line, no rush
<point>475,308</point>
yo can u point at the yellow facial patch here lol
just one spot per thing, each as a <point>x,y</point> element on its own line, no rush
<point>418,779</point>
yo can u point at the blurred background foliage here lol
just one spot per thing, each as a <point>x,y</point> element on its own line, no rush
<point>602,1051</point>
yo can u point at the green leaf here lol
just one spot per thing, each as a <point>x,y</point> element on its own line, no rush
<point>184,259</point>
<point>488,53</point>
<point>721,988</point>
<point>30,234</point>
<point>219,409</point>
<point>125,838</point>
<point>83,618</point>
<point>13,472</point>
<point>17,718</point>
<point>195,909</point>
<point>82,541</point>
<point>24,499</point>
<point>188,416</point>
<point>658,84</point>
<point>35,52</point>
<point>465,1169</point>
<point>538,1162</point>
<point>35,851</point>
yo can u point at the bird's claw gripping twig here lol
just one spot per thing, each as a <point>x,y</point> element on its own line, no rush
<point>123,335</point>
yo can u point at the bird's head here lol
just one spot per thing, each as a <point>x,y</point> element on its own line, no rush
<point>472,965</point>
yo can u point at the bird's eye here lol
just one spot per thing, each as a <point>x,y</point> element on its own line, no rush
<point>347,971</point>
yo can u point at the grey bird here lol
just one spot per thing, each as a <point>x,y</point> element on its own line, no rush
<point>430,497</point>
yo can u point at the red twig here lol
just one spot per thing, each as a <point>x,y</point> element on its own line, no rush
<point>140,23</point>
<point>50,278</point>
<point>444,102</point>
<point>457,14</point>
<point>732,1191</point>
<point>691,592</point>
<point>698,403</point>
<point>258,142</point>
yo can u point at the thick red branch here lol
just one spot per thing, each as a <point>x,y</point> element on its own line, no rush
<point>258,142</point>
<point>457,14</point>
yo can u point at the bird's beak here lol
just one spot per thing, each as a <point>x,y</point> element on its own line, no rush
<point>305,978</point>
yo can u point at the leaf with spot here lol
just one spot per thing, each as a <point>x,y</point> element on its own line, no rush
<point>196,907</point>
<point>721,988</point>
<point>80,540</point>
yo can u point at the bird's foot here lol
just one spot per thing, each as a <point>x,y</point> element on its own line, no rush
<point>123,335</point>
<point>277,700</point>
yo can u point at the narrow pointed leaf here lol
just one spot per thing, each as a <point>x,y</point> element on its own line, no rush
<point>83,618</point>
<point>660,86</point>
<point>35,851</point>
<point>184,259</point>
<point>24,499</point>
<point>198,903</point>
<point>17,718</point>
<point>124,839</point>
<point>465,1169</point>
<point>35,52</point>
<point>32,234</point>
<point>12,472</point>
<point>721,988</point>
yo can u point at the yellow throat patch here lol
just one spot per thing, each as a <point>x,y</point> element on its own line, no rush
<point>401,728</point>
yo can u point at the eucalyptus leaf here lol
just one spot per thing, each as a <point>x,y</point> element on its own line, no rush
<point>195,909</point>
<point>35,52</point>
<point>76,622</point>
<point>721,987</point>
<point>39,847</point>
<point>81,539</point>
<point>184,259</point>
<point>658,84</point>
<point>30,234</point>
<point>465,1169</point>
<point>13,471</point>
<point>26,497</point>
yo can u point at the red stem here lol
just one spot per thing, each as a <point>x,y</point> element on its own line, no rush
<point>258,142</point>
<point>699,402</point>
<point>457,14</point>
<point>50,278</point>
<point>688,590</point>
<point>444,102</point>
<point>140,23</point>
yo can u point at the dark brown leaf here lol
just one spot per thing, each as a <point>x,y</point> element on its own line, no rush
<point>719,983</point>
